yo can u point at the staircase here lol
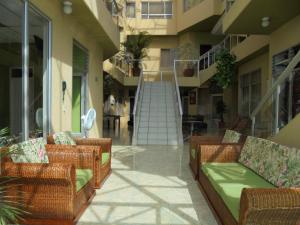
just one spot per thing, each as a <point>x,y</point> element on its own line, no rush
<point>157,125</point>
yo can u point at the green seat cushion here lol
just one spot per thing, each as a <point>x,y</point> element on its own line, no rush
<point>229,179</point>
<point>105,157</point>
<point>83,176</point>
<point>193,153</point>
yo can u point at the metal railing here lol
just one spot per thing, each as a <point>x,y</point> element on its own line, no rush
<point>137,107</point>
<point>178,104</point>
<point>273,112</point>
<point>209,58</point>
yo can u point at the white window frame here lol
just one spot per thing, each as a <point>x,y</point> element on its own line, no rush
<point>163,16</point>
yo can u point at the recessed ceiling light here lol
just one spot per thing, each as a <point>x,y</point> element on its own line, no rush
<point>265,21</point>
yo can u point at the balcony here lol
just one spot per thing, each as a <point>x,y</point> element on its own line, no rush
<point>95,16</point>
<point>242,46</point>
<point>245,16</point>
<point>190,18</point>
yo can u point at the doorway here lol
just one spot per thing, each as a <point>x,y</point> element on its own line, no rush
<point>79,87</point>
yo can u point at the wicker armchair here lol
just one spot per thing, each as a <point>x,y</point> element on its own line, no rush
<point>48,191</point>
<point>259,206</point>
<point>102,171</point>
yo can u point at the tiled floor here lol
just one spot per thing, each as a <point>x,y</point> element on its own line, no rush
<point>149,185</point>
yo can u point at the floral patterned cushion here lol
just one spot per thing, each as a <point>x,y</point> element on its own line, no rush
<point>231,136</point>
<point>31,151</point>
<point>63,138</point>
<point>278,164</point>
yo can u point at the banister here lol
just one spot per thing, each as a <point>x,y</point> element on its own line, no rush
<point>137,94</point>
<point>177,88</point>
<point>284,75</point>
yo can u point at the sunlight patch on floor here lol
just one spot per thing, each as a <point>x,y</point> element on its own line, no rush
<point>149,185</point>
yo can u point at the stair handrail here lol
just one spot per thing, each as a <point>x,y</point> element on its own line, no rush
<point>177,89</point>
<point>281,78</point>
<point>136,101</point>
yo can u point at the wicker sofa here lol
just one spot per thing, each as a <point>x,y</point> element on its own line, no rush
<point>56,192</point>
<point>230,136</point>
<point>103,168</point>
<point>257,183</point>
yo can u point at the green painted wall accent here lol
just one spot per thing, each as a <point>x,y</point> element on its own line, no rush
<point>80,59</point>
<point>76,104</point>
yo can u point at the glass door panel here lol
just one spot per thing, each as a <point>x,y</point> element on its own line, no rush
<point>38,49</point>
<point>11,66</point>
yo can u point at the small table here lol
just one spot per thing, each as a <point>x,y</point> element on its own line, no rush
<point>192,123</point>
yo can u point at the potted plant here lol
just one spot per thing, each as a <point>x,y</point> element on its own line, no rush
<point>220,110</point>
<point>225,68</point>
<point>188,52</point>
<point>136,46</point>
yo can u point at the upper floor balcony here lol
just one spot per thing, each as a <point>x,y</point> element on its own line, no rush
<point>258,17</point>
<point>242,46</point>
<point>200,15</point>
<point>96,17</point>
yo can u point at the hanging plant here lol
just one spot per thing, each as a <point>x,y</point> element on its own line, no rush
<point>225,68</point>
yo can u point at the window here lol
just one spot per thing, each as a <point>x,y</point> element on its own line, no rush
<point>130,9</point>
<point>250,85</point>
<point>167,57</point>
<point>157,10</point>
<point>112,8</point>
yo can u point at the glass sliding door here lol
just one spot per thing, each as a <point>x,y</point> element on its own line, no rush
<point>11,102</point>
<point>79,86</point>
<point>38,27</point>
<point>24,63</point>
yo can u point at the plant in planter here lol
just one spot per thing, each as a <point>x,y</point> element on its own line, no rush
<point>136,46</point>
<point>225,68</point>
<point>220,110</point>
<point>10,212</point>
<point>188,52</point>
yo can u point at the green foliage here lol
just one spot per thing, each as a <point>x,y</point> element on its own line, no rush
<point>225,68</point>
<point>10,211</point>
<point>137,45</point>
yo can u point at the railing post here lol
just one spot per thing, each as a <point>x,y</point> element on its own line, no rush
<point>198,69</point>
<point>253,126</point>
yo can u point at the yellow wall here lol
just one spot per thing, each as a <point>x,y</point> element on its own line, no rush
<point>197,14</point>
<point>289,135</point>
<point>65,29</point>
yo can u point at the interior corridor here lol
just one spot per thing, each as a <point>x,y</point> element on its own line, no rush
<point>148,186</point>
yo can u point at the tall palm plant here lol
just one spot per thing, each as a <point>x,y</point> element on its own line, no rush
<point>136,46</point>
<point>10,211</point>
